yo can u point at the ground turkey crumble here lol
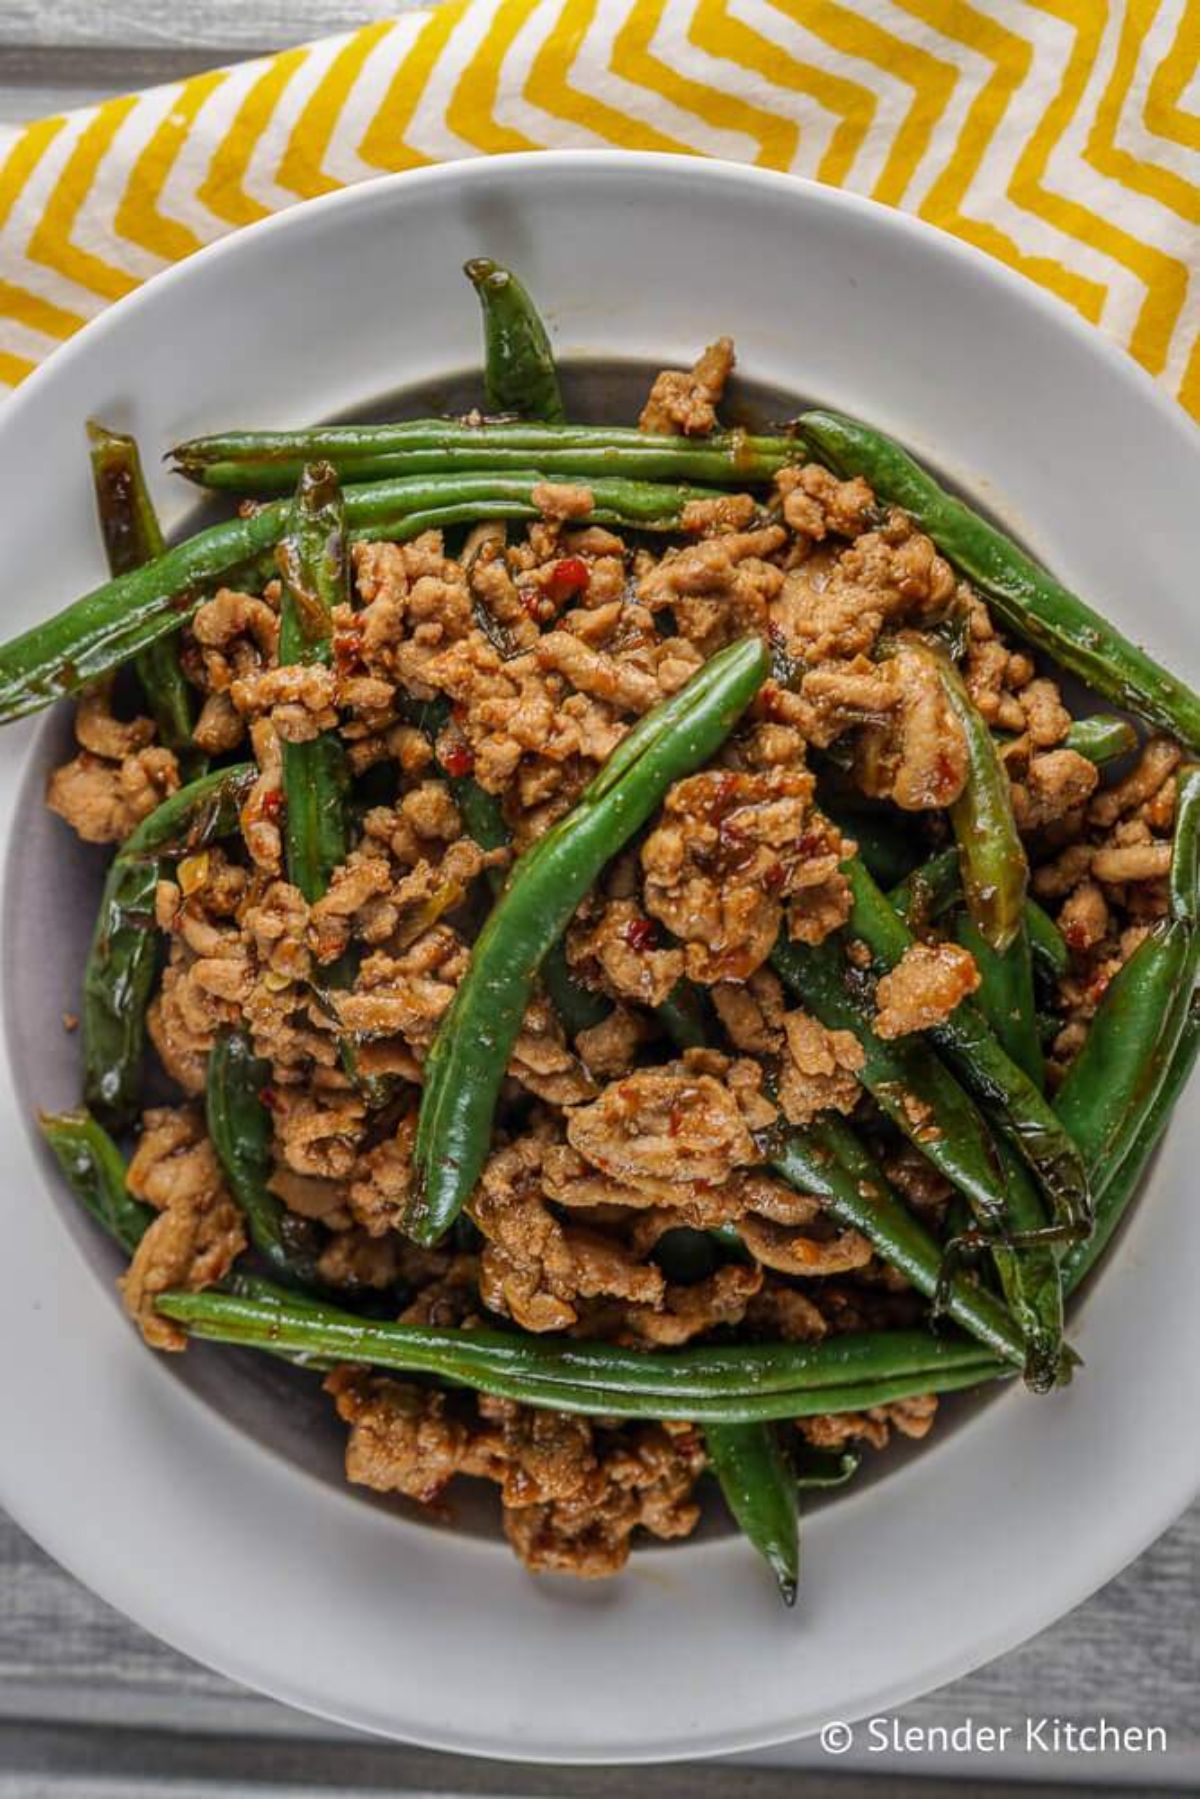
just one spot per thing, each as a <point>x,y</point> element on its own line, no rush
<point>519,659</point>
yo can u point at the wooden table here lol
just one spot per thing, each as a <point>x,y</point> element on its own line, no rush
<point>90,1705</point>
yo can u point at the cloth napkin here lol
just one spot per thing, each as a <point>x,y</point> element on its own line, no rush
<point>1061,136</point>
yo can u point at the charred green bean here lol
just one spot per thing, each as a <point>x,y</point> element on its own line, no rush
<point>123,956</point>
<point>269,462</point>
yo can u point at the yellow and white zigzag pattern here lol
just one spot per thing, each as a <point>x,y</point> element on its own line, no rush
<point>1062,136</point>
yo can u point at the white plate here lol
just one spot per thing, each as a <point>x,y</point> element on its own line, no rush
<point>123,1465</point>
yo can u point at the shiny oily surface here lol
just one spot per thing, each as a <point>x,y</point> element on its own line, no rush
<point>350,1609</point>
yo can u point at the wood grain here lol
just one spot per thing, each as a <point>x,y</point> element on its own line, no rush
<point>241,27</point>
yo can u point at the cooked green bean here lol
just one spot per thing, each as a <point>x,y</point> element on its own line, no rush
<point>95,1171</point>
<point>758,1485</point>
<point>115,622</point>
<point>123,956</point>
<point>1131,1045</point>
<point>827,1160</point>
<point>1047,944</point>
<point>982,1064</point>
<point>922,896</point>
<point>884,844</point>
<point>992,861</point>
<point>1101,739</point>
<point>929,890</point>
<point>741,1383</point>
<point>132,537</point>
<point>269,462</point>
<point>1023,595</point>
<point>470,1052</point>
<point>519,372</point>
<point>921,1097</point>
<point>1005,995</point>
<point>1123,1183</point>
<point>312,563</point>
<point>239,1126</point>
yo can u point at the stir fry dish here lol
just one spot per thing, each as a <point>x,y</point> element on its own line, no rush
<point>617,956</point>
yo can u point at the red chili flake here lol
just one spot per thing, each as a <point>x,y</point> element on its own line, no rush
<point>269,1098</point>
<point>458,712</point>
<point>640,934</point>
<point>724,794</point>
<point>568,577</point>
<point>271,804</point>
<point>674,1121</point>
<point>774,877</point>
<point>458,761</point>
<point>771,701</point>
<point>347,646</point>
<point>1076,936</point>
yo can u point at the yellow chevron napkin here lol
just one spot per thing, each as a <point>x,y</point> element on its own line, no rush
<point>1062,136</point>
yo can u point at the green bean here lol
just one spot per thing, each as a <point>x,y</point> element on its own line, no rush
<point>519,372</point>
<point>738,1384</point>
<point>239,1127</point>
<point>906,1078</point>
<point>1022,594</point>
<point>682,1016</point>
<point>95,1171</point>
<point>578,1008</point>
<point>981,1063</point>
<point>195,816</point>
<point>885,844</point>
<point>1101,739</point>
<point>929,890</point>
<point>1047,944</point>
<point>1114,1081</point>
<point>123,956</point>
<point>759,1487</point>
<point>266,462</point>
<point>481,814</point>
<point>828,1161</point>
<point>1005,995</point>
<point>117,983</point>
<point>993,866</point>
<point>1126,1178</point>
<point>106,627</point>
<point>470,1052</point>
<point>921,1097</point>
<point>312,563</point>
<point>132,537</point>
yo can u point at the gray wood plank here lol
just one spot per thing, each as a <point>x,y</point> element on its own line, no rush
<point>47,1765</point>
<point>233,26</point>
